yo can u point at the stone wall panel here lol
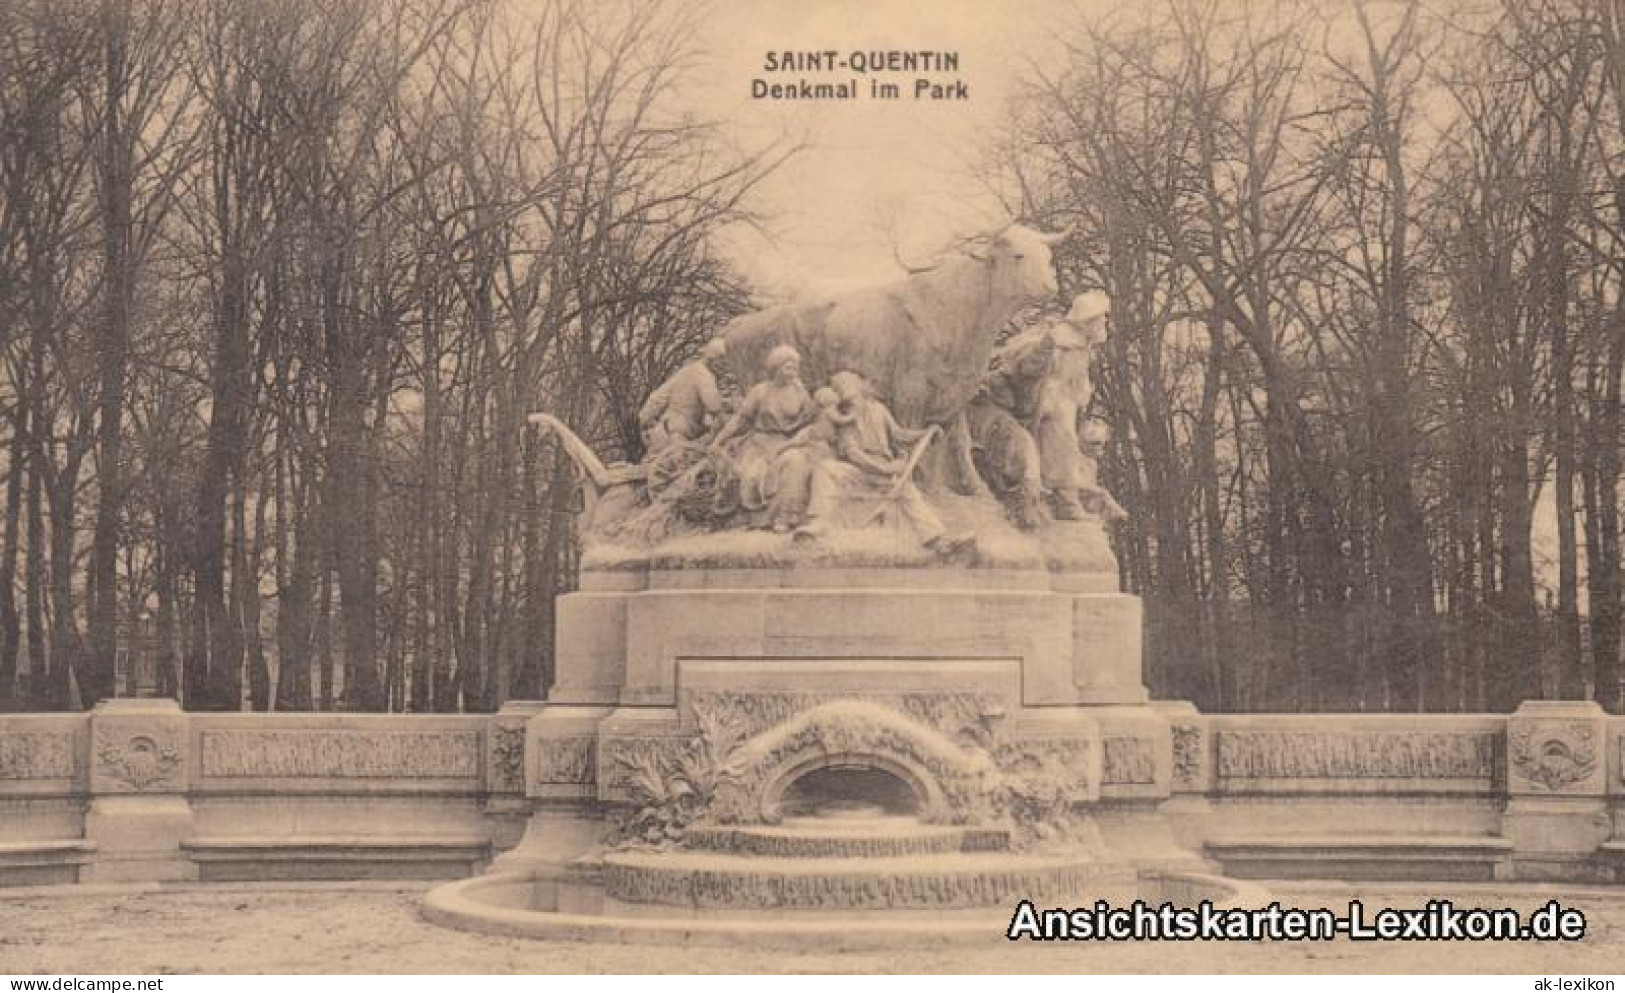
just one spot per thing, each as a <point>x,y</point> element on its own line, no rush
<point>340,754</point>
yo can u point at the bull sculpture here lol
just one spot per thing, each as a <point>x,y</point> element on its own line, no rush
<point>923,341</point>
<point>921,344</point>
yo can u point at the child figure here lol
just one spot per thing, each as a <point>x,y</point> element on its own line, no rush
<point>819,436</point>
<point>811,446</point>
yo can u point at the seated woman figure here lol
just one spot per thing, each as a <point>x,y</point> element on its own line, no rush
<point>774,476</point>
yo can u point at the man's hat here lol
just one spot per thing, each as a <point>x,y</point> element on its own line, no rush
<point>1088,306</point>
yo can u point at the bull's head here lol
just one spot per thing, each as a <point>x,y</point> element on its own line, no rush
<point>1020,259</point>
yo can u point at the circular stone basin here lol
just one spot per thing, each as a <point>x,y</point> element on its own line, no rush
<point>866,880</point>
<point>828,837</point>
<point>572,905</point>
<point>705,881</point>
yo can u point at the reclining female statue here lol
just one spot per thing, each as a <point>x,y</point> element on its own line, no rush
<point>870,475</point>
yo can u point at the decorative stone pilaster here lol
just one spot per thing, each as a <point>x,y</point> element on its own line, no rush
<point>1192,747</point>
<point>559,786</point>
<point>1137,786</point>
<point>505,779</point>
<point>140,766</point>
<point>1556,815</point>
<point>1191,741</point>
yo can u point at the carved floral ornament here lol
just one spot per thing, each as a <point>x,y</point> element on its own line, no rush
<point>508,754</point>
<point>1187,744</point>
<point>1554,755</point>
<point>723,774</point>
<point>139,761</point>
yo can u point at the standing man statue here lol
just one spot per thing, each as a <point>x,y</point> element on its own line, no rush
<point>1063,401</point>
<point>1024,422</point>
<point>687,406</point>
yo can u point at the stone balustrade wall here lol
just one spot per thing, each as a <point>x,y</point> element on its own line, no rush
<point>138,790</point>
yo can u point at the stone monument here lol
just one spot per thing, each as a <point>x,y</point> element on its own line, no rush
<point>854,641</point>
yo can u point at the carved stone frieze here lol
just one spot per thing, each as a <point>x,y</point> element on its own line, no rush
<point>968,717</point>
<point>570,759</point>
<point>1421,755</point>
<point>341,754</point>
<point>1129,761</point>
<point>36,755</point>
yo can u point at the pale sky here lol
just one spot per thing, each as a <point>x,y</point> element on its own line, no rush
<point>872,166</point>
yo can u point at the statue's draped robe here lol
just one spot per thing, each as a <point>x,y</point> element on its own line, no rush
<point>773,479</point>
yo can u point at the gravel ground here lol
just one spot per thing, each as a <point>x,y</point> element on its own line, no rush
<point>358,928</point>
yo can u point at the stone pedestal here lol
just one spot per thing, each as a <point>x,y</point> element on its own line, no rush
<point>1557,810</point>
<point>139,815</point>
<point>937,679</point>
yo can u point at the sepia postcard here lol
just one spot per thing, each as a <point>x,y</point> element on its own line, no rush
<point>867,486</point>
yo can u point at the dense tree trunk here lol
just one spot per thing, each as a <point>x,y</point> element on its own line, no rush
<point>10,548</point>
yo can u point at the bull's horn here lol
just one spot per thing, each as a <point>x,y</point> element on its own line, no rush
<point>912,270</point>
<point>1059,236</point>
